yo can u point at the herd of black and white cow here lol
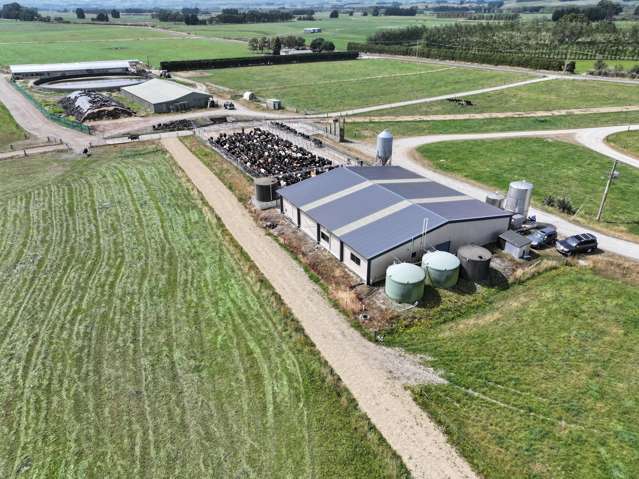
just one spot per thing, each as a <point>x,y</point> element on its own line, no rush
<point>261,153</point>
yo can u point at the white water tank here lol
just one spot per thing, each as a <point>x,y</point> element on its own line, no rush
<point>384,147</point>
<point>518,198</point>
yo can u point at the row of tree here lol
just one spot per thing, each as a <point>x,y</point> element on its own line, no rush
<point>275,44</point>
<point>15,11</point>
<point>233,15</point>
<point>100,16</point>
<point>604,10</point>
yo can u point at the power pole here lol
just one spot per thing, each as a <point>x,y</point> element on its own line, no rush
<point>611,177</point>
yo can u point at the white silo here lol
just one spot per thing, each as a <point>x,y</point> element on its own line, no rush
<point>518,198</point>
<point>384,147</point>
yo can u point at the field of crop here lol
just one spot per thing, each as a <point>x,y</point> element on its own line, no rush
<point>540,376</point>
<point>340,31</point>
<point>26,42</point>
<point>337,86</point>
<point>138,341</point>
<point>544,96</point>
<point>556,168</point>
<point>627,141</point>
<point>368,130</point>
<point>10,131</point>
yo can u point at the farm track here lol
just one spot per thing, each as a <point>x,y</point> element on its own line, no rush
<point>135,342</point>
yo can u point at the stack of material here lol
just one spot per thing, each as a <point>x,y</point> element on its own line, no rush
<point>175,125</point>
<point>91,106</point>
<point>261,153</point>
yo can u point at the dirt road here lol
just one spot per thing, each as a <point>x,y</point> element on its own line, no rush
<point>29,118</point>
<point>374,375</point>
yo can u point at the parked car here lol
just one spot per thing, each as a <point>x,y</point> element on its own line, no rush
<point>543,237</point>
<point>583,243</point>
<point>229,105</point>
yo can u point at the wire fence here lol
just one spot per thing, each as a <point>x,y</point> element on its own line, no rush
<point>75,125</point>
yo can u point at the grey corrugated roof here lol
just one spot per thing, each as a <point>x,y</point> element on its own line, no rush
<point>466,210</point>
<point>57,67</point>
<point>391,231</point>
<point>352,207</point>
<point>380,207</point>
<point>161,91</point>
<point>323,185</point>
<point>515,238</point>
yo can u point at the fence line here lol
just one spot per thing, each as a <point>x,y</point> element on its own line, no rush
<point>75,125</point>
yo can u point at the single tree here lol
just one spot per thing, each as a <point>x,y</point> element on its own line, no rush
<point>328,46</point>
<point>376,12</point>
<point>79,13</point>
<point>334,14</point>
<point>115,13</point>
<point>317,44</point>
<point>277,46</point>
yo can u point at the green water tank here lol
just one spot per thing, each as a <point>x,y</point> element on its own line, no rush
<point>441,269</point>
<point>405,283</point>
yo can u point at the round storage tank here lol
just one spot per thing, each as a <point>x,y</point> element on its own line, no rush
<point>441,268</point>
<point>265,189</point>
<point>495,199</point>
<point>405,283</point>
<point>384,147</point>
<point>518,198</point>
<point>475,262</point>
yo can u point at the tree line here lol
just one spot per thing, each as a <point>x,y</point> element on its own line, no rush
<point>275,44</point>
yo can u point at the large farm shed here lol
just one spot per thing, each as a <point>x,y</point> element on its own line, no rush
<point>370,217</point>
<point>116,67</point>
<point>161,96</point>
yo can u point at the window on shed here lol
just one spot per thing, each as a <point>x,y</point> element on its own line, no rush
<point>355,259</point>
<point>324,237</point>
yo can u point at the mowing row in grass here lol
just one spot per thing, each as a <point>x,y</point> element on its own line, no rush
<point>540,376</point>
<point>368,130</point>
<point>338,86</point>
<point>47,43</point>
<point>138,341</point>
<point>556,168</point>
<point>10,131</point>
<point>544,96</point>
<point>627,141</point>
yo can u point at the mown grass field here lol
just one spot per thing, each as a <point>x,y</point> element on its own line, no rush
<point>340,31</point>
<point>337,86</point>
<point>10,131</point>
<point>138,341</point>
<point>25,42</point>
<point>543,96</point>
<point>554,167</point>
<point>627,141</point>
<point>541,376</point>
<point>369,130</point>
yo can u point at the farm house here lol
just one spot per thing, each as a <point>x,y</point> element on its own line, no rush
<point>161,96</point>
<point>370,217</point>
<point>114,67</point>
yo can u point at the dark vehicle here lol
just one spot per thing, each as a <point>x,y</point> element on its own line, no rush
<point>134,137</point>
<point>543,237</point>
<point>229,105</point>
<point>583,243</point>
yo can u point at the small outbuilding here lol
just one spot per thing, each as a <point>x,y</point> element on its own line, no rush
<point>514,244</point>
<point>274,104</point>
<point>162,96</point>
<point>248,96</point>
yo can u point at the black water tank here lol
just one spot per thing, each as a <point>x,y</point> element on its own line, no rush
<point>475,262</point>
<point>265,189</point>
